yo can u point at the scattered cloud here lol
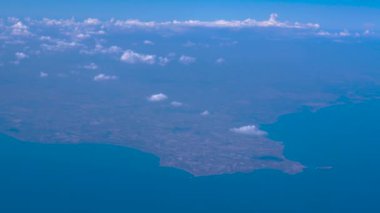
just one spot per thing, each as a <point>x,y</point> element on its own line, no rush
<point>205,113</point>
<point>92,21</point>
<point>249,130</point>
<point>104,77</point>
<point>157,97</point>
<point>176,104</point>
<point>60,45</point>
<point>163,61</point>
<point>58,22</point>
<point>367,32</point>
<point>323,33</point>
<point>91,66</point>
<point>100,49</point>
<point>20,29</point>
<point>344,33</point>
<point>148,42</point>
<point>20,56</point>
<point>132,57</point>
<point>187,59</point>
<point>82,36</point>
<point>220,61</point>
<point>134,23</point>
<point>45,38</point>
<point>189,44</point>
<point>43,74</point>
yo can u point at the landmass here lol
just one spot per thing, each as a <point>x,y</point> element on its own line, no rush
<point>196,97</point>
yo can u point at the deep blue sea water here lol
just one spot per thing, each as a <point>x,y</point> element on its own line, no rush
<point>102,178</point>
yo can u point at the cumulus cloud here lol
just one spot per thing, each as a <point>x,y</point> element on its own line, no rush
<point>45,38</point>
<point>342,34</point>
<point>134,23</point>
<point>157,97</point>
<point>205,113</point>
<point>100,49</point>
<point>220,61</point>
<point>367,32</point>
<point>323,33</point>
<point>148,42</point>
<point>20,29</point>
<point>104,77</point>
<point>91,21</point>
<point>249,130</point>
<point>91,66</point>
<point>163,61</point>
<point>43,74</point>
<point>189,44</point>
<point>82,36</point>
<point>176,104</point>
<point>20,56</point>
<point>186,59</point>
<point>132,57</point>
<point>58,22</point>
<point>60,45</point>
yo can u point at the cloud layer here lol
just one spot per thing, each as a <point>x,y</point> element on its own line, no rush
<point>247,23</point>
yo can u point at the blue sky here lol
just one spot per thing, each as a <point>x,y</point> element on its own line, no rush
<point>350,14</point>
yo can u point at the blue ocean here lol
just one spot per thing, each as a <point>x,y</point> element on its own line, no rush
<point>339,145</point>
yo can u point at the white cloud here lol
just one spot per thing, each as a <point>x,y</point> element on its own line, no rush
<point>91,21</point>
<point>58,22</point>
<point>220,61</point>
<point>367,32</point>
<point>272,21</point>
<point>157,97</point>
<point>20,56</point>
<point>176,104</point>
<point>114,49</point>
<point>344,33</point>
<point>189,44</point>
<point>187,59</point>
<point>100,49</point>
<point>60,45</point>
<point>103,77</point>
<point>91,66</point>
<point>148,42</point>
<point>45,38</point>
<point>163,60</point>
<point>133,58</point>
<point>135,23</point>
<point>43,74</point>
<point>205,113</point>
<point>247,23</point>
<point>20,29</point>
<point>323,33</point>
<point>82,36</point>
<point>249,130</point>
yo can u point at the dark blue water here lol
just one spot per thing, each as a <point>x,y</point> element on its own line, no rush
<point>340,145</point>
